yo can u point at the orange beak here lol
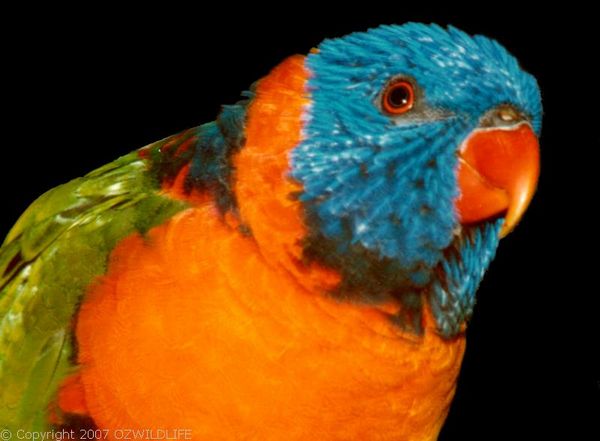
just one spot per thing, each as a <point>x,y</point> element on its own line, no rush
<point>498,170</point>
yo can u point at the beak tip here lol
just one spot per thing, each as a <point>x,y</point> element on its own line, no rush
<point>505,230</point>
<point>507,165</point>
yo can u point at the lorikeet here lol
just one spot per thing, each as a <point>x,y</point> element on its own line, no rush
<point>303,267</point>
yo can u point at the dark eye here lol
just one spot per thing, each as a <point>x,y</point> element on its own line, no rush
<point>398,97</point>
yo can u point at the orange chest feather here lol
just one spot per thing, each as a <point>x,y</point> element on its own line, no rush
<point>191,328</point>
<point>200,327</point>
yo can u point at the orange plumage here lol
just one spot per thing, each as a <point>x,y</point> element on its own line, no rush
<point>202,327</point>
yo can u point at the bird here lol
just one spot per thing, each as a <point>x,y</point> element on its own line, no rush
<point>303,267</point>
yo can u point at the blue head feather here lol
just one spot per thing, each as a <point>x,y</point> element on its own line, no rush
<point>379,191</point>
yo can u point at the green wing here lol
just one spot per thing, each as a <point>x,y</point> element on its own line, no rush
<point>50,256</point>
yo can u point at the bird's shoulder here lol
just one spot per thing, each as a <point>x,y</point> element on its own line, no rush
<point>50,256</point>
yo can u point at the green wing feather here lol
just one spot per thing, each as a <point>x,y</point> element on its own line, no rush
<point>59,245</point>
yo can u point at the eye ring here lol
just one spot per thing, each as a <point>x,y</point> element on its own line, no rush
<point>398,97</point>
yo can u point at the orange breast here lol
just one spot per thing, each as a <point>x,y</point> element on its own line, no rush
<point>200,327</point>
<point>192,329</point>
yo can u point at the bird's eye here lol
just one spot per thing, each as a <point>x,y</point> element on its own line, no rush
<point>398,97</point>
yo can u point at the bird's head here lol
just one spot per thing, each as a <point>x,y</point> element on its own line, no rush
<point>414,150</point>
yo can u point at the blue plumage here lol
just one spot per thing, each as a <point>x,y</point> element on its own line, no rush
<point>210,165</point>
<point>379,190</point>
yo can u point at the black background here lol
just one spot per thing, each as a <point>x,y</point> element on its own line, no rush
<point>83,87</point>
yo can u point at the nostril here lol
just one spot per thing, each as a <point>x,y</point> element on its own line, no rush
<point>508,114</point>
<point>501,116</point>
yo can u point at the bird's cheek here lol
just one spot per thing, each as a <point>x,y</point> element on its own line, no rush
<point>498,170</point>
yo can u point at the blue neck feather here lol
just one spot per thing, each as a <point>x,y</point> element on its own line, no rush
<point>211,166</point>
<point>209,156</point>
<point>379,191</point>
